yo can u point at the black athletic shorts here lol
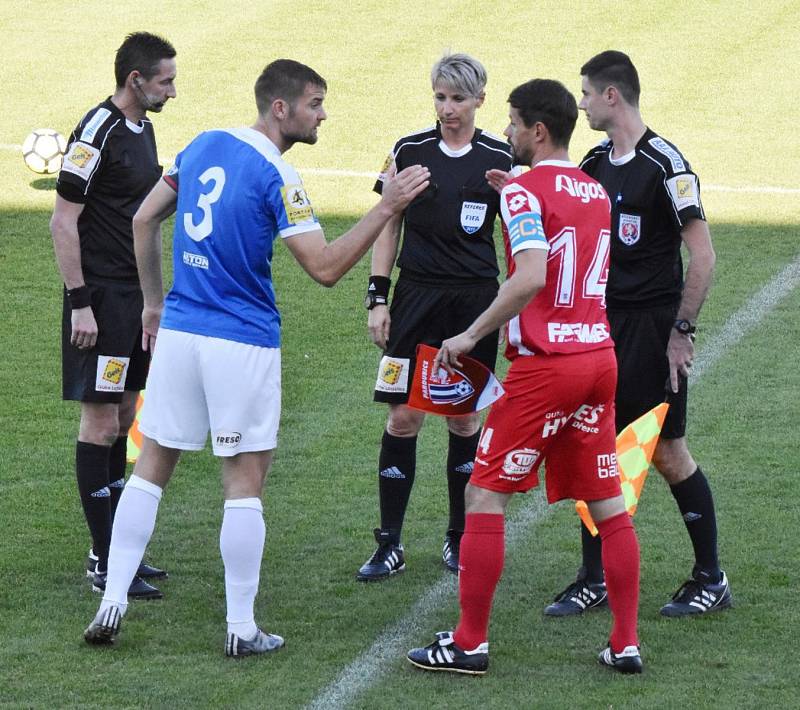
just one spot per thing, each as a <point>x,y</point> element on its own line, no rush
<point>426,313</point>
<point>640,339</point>
<point>117,362</point>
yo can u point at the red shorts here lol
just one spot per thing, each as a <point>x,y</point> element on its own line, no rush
<point>560,409</point>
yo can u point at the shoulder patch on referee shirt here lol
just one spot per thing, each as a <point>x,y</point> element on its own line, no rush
<point>297,204</point>
<point>90,129</point>
<point>81,159</point>
<point>683,191</point>
<point>675,158</point>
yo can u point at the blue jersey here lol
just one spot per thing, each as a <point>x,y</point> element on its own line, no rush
<point>235,196</point>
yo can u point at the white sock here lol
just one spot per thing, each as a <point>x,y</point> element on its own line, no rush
<point>241,542</point>
<point>133,526</point>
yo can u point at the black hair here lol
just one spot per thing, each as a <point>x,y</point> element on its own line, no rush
<point>549,102</point>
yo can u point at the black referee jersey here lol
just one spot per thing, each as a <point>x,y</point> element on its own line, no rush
<point>110,166</point>
<point>447,231</point>
<point>653,194</point>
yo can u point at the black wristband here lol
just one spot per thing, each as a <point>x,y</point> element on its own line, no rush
<point>377,292</point>
<point>79,297</point>
<point>380,285</point>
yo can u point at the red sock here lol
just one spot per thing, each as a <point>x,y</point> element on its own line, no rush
<point>621,564</point>
<point>479,569</point>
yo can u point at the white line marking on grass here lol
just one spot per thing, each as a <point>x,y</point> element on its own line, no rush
<point>747,318</point>
<point>761,189</point>
<point>332,172</point>
<point>366,670</point>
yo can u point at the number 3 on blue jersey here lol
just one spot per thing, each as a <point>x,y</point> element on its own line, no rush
<point>198,232</point>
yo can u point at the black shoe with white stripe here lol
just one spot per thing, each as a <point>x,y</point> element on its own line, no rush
<point>104,627</point>
<point>262,642</point>
<point>578,597</point>
<point>444,655</point>
<point>385,561</point>
<point>145,571</point>
<point>699,596</point>
<point>628,660</point>
<point>139,589</point>
<point>451,549</point>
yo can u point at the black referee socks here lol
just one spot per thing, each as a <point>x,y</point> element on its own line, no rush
<point>397,467</point>
<point>696,504</point>
<point>91,468</point>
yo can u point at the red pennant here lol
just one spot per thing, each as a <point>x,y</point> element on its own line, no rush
<point>469,389</point>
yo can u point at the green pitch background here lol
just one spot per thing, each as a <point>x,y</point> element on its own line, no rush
<point>716,79</point>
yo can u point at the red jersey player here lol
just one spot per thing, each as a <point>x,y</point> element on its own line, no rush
<point>559,403</point>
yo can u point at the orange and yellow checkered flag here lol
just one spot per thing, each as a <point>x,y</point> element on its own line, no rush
<point>134,435</point>
<point>635,446</point>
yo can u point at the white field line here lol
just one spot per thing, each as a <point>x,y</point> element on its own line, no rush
<point>331,172</point>
<point>746,318</point>
<point>366,670</point>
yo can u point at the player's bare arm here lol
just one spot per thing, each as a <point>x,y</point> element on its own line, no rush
<point>157,206</point>
<point>326,262</point>
<point>384,253</point>
<point>67,246</point>
<point>514,294</point>
<point>699,274</point>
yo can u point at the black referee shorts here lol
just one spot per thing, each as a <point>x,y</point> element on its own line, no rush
<point>640,339</point>
<point>426,313</point>
<point>117,362</point>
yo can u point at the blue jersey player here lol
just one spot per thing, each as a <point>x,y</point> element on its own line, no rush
<point>217,363</point>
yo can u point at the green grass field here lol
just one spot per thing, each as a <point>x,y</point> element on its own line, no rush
<point>715,81</point>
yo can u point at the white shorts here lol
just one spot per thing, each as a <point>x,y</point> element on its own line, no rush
<point>197,383</point>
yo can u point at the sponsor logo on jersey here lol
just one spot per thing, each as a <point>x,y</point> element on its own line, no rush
<point>519,463</point>
<point>683,191</point>
<point>111,373</point>
<point>173,170</point>
<point>81,159</point>
<point>630,228</point>
<point>675,158</point>
<point>90,129</point>
<point>393,374</point>
<point>196,260</point>
<point>517,199</point>
<point>577,332</point>
<point>296,202</point>
<point>607,465</point>
<point>473,215</point>
<point>227,439</point>
<point>579,188</point>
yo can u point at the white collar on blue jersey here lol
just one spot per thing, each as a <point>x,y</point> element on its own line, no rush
<point>255,138</point>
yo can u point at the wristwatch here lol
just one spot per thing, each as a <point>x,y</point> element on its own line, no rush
<point>374,299</point>
<point>684,327</point>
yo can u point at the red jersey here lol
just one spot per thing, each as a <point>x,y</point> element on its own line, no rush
<point>557,207</point>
